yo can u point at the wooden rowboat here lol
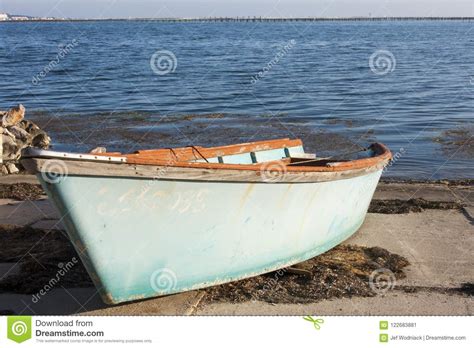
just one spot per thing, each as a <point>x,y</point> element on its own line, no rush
<point>157,222</point>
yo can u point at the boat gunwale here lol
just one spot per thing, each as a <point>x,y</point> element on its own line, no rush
<point>381,158</point>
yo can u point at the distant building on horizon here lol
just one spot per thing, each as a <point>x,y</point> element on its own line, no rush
<point>21,18</point>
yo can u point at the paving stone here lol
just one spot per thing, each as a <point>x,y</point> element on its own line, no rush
<point>86,301</point>
<point>49,224</point>
<point>464,195</point>
<point>18,178</point>
<point>437,243</point>
<point>393,303</point>
<point>429,192</point>
<point>26,212</point>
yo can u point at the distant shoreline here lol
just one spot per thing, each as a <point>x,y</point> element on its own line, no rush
<point>249,19</point>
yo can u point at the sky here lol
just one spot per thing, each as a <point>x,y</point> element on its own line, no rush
<point>234,8</point>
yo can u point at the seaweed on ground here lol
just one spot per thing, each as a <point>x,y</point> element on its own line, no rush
<point>414,205</point>
<point>21,191</point>
<point>343,271</point>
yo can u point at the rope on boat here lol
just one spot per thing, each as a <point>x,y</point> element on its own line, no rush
<point>200,154</point>
<point>174,153</point>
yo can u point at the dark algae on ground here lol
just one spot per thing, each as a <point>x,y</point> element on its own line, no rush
<point>21,191</point>
<point>413,205</point>
<point>343,271</point>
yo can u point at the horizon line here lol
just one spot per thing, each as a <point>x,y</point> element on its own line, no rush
<point>235,18</point>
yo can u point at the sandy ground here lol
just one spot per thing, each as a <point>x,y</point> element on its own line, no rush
<point>430,225</point>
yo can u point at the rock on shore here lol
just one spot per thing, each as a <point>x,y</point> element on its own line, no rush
<point>17,134</point>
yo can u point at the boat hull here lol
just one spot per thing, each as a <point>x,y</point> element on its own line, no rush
<point>143,237</point>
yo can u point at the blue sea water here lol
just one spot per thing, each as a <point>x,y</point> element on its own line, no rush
<point>409,84</point>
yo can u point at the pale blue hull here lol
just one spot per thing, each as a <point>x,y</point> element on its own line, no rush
<point>141,237</point>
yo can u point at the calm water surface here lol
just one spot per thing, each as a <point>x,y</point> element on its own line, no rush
<point>91,83</point>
